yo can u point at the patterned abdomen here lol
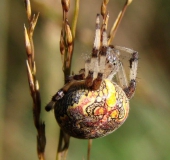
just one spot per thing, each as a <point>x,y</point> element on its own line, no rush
<point>87,114</point>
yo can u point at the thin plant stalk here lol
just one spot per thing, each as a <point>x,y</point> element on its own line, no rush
<point>32,80</point>
<point>117,22</point>
<point>89,149</point>
<point>66,50</point>
<point>74,23</point>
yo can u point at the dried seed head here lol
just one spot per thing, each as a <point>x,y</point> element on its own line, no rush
<point>27,42</point>
<point>62,44</point>
<point>33,23</point>
<point>34,68</point>
<point>106,1</point>
<point>129,2</point>
<point>37,86</point>
<point>70,50</point>
<point>104,7</point>
<point>30,77</point>
<point>28,9</point>
<point>65,5</point>
<point>69,34</point>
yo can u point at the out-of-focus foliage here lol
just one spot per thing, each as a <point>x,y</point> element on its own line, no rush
<point>145,28</point>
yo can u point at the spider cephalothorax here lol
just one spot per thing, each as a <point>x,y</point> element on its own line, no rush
<point>91,104</point>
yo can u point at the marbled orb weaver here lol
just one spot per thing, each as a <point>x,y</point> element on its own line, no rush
<point>91,104</point>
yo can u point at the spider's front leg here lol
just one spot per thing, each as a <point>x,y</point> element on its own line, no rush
<point>95,67</point>
<point>92,65</point>
<point>129,89</point>
<point>74,80</point>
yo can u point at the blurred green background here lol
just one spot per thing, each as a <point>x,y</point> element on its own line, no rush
<point>145,28</point>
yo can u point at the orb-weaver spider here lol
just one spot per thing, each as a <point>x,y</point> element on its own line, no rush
<point>91,104</point>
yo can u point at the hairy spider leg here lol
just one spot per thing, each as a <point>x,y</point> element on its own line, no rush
<point>102,60</point>
<point>102,45</point>
<point>129,89</point>
<point>92,65</point>
<point>96,66</point>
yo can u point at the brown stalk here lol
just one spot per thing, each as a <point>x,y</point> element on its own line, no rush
<point>66,50</point>
<point>117,22</point>
<point>33,82</point>
<point>105,15</point>
<point>89,149</point>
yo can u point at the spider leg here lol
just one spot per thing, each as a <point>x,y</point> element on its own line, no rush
<point>102,62</point>
<point>62,92</point>
<point>77,79</point>
<point>128,89</point>
<point>79,76</point>
<point>92,65</point>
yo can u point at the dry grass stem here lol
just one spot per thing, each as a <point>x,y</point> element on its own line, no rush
<point>33,82</point>
<point>89,149</point>
<point>76,13</point>
<point>117,22</point>
<point>66,50</point>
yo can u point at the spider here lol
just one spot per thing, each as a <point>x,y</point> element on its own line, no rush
<point>91,104</point>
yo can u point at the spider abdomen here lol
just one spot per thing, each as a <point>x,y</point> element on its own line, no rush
<point>87,114</point>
